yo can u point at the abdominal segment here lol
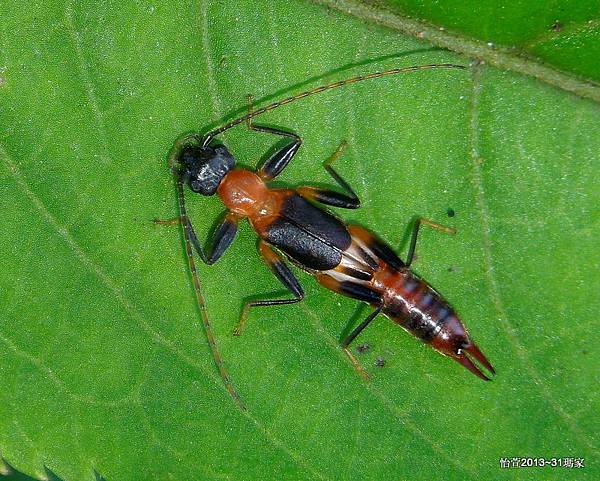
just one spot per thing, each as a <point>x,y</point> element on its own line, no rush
<point>369,271</point>
<point>405,298</point>
<point>416,306</point>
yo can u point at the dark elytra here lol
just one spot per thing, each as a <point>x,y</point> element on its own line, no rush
<point>309,235</point>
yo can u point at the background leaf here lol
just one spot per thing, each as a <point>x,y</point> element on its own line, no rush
<point>564,34</point>
<point>104,362</point>
<point>556,43</point>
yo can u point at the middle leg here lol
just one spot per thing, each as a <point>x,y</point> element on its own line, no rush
<point>348,200</point>
<point>285,276</point>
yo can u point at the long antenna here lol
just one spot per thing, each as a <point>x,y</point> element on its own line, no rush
<point>340,83</point>
<point>187,233</point>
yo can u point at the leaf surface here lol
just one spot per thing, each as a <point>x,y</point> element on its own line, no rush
<point>564,34</point>
<point>104,362</point>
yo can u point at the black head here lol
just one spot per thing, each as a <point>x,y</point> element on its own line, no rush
<point>204,167</point>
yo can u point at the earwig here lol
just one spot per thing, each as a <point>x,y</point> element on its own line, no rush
<point>347,259</point>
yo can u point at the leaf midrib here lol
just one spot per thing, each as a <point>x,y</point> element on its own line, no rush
<point>502,57</point>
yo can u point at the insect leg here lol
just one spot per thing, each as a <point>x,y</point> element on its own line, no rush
<point>221,239</point>
<point>285,276</point>
<point>361,293</point>
<point>210,335</point>
<point>415,233</point>
<point>352,336</point>
<point>189,228</point>
<point>360,327</point>
<point>331,197</point>
<point>275,164</point>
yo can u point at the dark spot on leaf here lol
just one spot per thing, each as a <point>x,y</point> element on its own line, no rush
<point>556,26</point>
<point>450,212</point>
<point>380,362</point>
<point>362,348</point>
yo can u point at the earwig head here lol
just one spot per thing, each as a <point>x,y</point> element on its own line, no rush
<point>203,167</point>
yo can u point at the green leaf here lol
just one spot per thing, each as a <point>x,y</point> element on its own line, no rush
<point>563,34</point>
<point>520,36</point>
<point>104,362</point>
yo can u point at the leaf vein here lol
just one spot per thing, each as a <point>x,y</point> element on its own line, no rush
<point>133,312</point>
<point>479,193</point>
<point>58,382</point>
<point>86,78</point>
<point>502,57</point>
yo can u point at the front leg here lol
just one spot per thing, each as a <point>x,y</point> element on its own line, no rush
<point>275,164</point>
<point>221,239</point>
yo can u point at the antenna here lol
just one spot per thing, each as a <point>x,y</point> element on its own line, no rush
<point>322,88</point>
